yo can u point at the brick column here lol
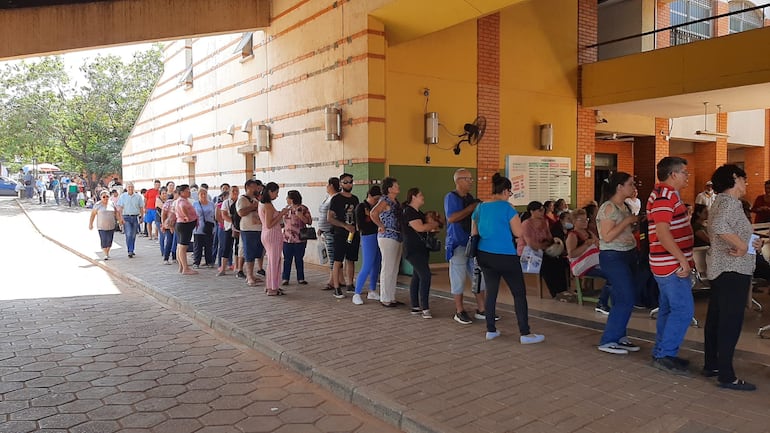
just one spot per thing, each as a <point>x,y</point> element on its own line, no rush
<point>756,163</point>
<point>488,97</point>
<point>721,25</point>
<point>588,18</point>
<point>647,152</point>
<point>662,20</point>
<point>710,155</point>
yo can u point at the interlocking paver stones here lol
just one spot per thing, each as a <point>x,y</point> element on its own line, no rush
<point>18,427</point>
<point>186,425</point>
<point>96,427</point>
<point>32,414</point>
<point>143,419</point>
<point>259,424</point>
<point>63,421</point>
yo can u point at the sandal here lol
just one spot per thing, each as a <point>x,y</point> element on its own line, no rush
<point>280,292</point>
<point>272,292</point>
<point>251,283</point>
<point>328,287</point>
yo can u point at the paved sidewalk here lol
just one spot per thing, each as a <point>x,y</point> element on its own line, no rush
<point>435,375</point>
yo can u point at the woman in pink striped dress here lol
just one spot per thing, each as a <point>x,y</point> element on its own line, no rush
<point>272,237</point>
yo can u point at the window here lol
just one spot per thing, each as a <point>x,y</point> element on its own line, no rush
<point>246,46</point>
<point>187,75</point>
<point>747,20</point>
<point>684,11</point>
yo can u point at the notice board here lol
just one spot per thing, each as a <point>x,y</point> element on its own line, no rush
<point>538,178</point>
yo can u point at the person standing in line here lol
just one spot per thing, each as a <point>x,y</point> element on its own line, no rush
<point>186,220</point>
<point>730,265</point>
<point>53,185</point>
<point>386,214</point>
<point>707,196</point>
<point>163,233</point>
<point>251,229</point>
<point>272,238</point>
<point>618,261</point>
<point>169,226</point>
<point>458,207</point>
<point>150,198</point>
<point>226,238</point>
<point>416,227</point>
<point>41,189</point>
<point>104,213</point>
<point>293,246</point>
<point>342,218</point>
<point>671,243</point>
<point>497,222</point>
<point>204,231</point>
<point>372,258</point>
<point>224,193</point>
<point>325,229</point>
<point>130,207</point>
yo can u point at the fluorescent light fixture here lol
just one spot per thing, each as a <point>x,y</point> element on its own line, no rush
<point>712,134</point>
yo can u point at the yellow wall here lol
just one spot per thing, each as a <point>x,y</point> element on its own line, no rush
<point>679,70</point>
<point>538,77</point>
<point>444,62</point>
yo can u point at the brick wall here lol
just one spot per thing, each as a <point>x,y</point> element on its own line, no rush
<point>662,20</point>
<point>647,152</point>
<point>488,150</point>
<point>588,19</point>
<point>756,162</point>
<point>721,25</point>
<point>623,150</point>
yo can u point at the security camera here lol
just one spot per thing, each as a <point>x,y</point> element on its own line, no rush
<point>599,117</point>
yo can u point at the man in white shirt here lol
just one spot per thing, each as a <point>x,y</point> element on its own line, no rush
<point>130,207</point>
<point>707,196</point>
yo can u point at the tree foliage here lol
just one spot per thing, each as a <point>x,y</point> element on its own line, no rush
<point>81,127</point>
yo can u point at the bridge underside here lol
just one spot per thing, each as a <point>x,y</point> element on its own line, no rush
<point>53,27</point>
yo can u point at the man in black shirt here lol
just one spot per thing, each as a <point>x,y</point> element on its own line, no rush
<point>341,216</point>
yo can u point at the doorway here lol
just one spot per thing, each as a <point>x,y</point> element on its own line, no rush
<point>606,164</point>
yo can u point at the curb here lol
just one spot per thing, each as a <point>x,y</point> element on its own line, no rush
<point>370,401</point>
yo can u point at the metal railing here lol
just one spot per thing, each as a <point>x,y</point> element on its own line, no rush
<point>679,34</point>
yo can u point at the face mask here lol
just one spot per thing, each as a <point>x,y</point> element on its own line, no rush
<point>569,226</point>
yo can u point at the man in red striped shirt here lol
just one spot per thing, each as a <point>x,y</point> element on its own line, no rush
<point>671,242</point>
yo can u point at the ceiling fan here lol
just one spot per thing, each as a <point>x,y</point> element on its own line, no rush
<point>614,137</point>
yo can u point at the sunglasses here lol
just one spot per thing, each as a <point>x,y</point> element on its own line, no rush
<point>346,182</point>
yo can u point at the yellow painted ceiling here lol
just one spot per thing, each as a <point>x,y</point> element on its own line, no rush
<point>409,19</point>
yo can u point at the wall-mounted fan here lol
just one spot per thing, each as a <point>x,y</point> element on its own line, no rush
<point>474,132</point>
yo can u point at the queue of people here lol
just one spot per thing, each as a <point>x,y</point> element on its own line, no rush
<point>249,226</point>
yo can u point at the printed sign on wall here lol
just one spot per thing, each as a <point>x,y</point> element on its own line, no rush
<point>538,178</point>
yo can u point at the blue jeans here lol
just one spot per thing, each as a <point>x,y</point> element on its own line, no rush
<point>675,314</point>
<point>604,295</point>
<point>131,228</point>
<point>372,262</point>
<point>295,252</point>
<point>168,245</point>
<point>620,269</point>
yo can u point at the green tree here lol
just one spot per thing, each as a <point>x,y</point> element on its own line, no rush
<point>83,127</point>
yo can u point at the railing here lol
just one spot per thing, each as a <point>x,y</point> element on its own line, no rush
<point>678,34</point>
<point>682,36</point>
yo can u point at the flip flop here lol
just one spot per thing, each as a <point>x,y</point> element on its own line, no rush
<point>190,272</point>
<point>251,283</point>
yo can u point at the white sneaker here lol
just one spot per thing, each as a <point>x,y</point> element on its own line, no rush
<point>531,339</point>
<point>426,314</point>
<point>166,262</point>
<point>357,299</point>
<point>373,296</point>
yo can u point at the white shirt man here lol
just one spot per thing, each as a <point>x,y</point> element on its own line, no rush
<point>706,197</point>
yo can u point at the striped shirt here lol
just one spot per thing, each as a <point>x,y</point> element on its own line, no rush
<point>665,206</point>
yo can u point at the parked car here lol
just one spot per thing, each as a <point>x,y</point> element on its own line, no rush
<point>7,186</point>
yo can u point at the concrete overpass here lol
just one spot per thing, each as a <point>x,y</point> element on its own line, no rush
<point>42,27</point>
